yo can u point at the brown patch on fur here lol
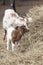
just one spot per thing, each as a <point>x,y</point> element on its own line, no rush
<point>22,19</point>
<point>13,15</point>
<point>16,35</point>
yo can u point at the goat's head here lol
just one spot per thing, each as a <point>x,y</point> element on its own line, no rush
<point>18,32</point>
<point>23,29</point>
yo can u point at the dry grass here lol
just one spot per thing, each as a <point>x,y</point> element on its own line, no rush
<point>30,51</point>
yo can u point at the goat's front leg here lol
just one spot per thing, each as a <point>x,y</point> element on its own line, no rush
<point>8,42</point>
<point>12,46</point>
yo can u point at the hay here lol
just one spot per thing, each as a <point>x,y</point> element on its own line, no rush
<point>30,51</point>
<point>36,13</point>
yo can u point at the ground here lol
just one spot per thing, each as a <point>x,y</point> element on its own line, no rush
<point>30,51</point>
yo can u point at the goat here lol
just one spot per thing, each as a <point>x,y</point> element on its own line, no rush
<point>14,35</point>
<point>11,18</point>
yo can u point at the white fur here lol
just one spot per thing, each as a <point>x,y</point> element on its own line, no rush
<point>8,19</point>
<point>9,37</point>
<point>9,31</point>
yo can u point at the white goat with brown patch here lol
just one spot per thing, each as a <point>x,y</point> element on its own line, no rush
<point>11,18</point>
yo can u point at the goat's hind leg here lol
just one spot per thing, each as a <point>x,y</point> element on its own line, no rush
<point>5,35</point>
